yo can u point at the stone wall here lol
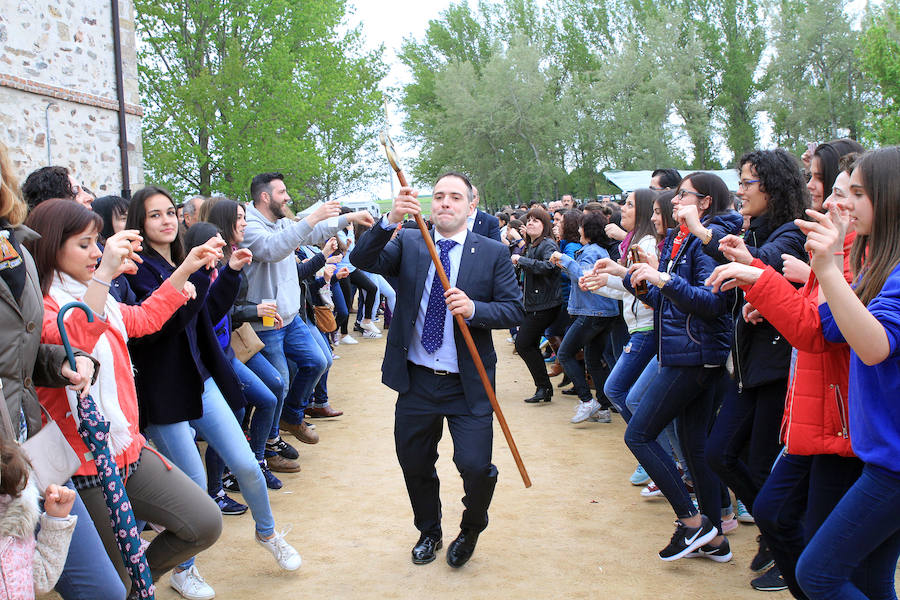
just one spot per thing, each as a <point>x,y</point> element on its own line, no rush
<point>57,66</point>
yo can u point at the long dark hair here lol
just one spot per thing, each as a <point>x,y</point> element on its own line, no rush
<point>56,220</point>
<point>594,227</point>
<point>710,185</point>
<point>544,217</point>
<point>106,207</point>
<point>137,215</point>
<point>880,249</point>
<point>224,215</point>
<point>780,177</point>
<point>829,155</point>
<point>643,212</point>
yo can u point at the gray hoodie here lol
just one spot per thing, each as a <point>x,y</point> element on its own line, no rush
<point>273,272</point>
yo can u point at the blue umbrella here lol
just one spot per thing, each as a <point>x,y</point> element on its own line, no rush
<point>94,430</point>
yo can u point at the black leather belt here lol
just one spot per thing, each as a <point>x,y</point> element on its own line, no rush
<point>440,372</point>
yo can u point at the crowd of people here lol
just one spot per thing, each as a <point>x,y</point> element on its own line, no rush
<point>749,341</point>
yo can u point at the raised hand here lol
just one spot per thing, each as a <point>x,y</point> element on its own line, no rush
<point>326,210</point>
<point>205,255</point>
<point>330,246</point>
<point>342,272</point>
<point>824,241</point>
<point>794,269</point>
<point>362,217</point>
<point>688,215</point>
<point>641,272</point>
<point>590,281</point>
<point>405,203</point>
<point>735,250</point>
<point>120,254</point>
<point>58,500</point>
<point>609,267</point>
<point>726,277</point>
<point>615,232</point>
<point>240,258</point>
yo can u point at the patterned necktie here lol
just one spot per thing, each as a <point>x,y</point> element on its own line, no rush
<point>433,331</point>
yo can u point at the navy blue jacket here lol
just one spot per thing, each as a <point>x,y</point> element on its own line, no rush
<point>168,376</point>
<point>693,325</point>
<point>487,225</point>
<point>761,354</point>
<point>485,274</point>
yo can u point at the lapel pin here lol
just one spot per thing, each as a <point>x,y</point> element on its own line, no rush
<point>473,250</point>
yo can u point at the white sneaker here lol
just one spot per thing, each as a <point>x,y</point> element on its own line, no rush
<point>349,339</point>
<point>371,335</point>
<point>602,416</point>
<point>191,585</point>
<point>334,356</point>
<point>288,558</point>
<point>584,410</point>
<point>370,327</point>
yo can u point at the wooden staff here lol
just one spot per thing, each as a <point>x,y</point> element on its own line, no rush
<point>460,322</point>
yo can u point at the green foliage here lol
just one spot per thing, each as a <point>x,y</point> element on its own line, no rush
<point>879,54</point>
<point>234,88</point>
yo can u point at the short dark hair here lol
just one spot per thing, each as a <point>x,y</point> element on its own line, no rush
<point>502,217</point>
<point>56,220</point>
<point>106,207</point>
<point>594,226</point>
<point>465,179</point>
<point>668,178</point>
<point>46,183</point>
<point>544,217</point>
<point>263,183</point>
<point>137,215</point>
<point>570,224</point>
<point>780,177</point>
<point>710,185</point>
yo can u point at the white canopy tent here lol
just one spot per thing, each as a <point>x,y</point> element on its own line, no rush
<point>629,181</point>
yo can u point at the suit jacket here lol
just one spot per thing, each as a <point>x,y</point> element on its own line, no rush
<point>487,225</point>
<point>486,275</point>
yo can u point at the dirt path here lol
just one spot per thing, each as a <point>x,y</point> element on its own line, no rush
<point>580,532</point>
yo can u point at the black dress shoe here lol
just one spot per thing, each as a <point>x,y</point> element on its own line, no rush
<point>541,394</point>
<point>423,551</point>
<point>461,549</point>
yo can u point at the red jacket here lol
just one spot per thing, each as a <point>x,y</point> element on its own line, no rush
<point>140,320</point>
<point>815,411</point>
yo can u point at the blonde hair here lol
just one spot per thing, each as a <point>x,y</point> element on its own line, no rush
<point>12,207</point>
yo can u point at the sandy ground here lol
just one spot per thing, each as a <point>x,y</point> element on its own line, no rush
<point>580,532</point>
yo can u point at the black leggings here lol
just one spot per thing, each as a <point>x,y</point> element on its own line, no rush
<point>360,281</point>
<point>528,343</point>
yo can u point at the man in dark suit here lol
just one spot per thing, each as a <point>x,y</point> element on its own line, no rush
<point>426,360</point>
<point>481,222</point>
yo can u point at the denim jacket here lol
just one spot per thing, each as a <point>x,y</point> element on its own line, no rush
<point>586,303</point>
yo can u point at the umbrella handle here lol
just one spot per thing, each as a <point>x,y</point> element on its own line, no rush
<point>62,328</point>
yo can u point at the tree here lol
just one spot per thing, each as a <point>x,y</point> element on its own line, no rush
<point>879,53</point>
<point>234,88</point>
<point>815,88</point>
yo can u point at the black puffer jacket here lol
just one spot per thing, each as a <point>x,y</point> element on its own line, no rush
<point>761,354</point>
<point>543,282</point>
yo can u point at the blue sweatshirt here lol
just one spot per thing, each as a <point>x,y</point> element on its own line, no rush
<point>874,391</point>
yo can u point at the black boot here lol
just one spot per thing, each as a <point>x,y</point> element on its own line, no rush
<point>541,394</point>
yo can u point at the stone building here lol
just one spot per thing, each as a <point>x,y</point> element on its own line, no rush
<point>58,90</point>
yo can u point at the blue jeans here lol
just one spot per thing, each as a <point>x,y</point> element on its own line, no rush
<point>341,313</point>
<point>304,345</point>
<point>270,376</point>
<point>668,439</point>
<point>590,333</point>
<point>320,393</point>
<point>88,573</point>
<point>688,394</point>
<point>635,356</point>
<point>223,433</point>
<point>862,532</point>
<point>260,397</point>
<point>384,289</point>
<point>798,486</point>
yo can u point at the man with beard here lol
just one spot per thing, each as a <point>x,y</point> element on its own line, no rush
<point>273,274</point>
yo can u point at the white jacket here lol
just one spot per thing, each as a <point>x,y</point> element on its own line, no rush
<point>638,316</point>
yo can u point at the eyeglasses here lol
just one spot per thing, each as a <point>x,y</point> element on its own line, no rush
<point>746,183</point>
<point>681,193</point>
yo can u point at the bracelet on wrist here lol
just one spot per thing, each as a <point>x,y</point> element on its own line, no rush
<point>101,282</point>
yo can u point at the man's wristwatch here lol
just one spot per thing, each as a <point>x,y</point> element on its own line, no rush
<point>664,278</point>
